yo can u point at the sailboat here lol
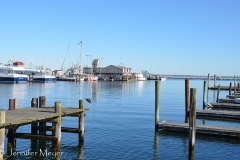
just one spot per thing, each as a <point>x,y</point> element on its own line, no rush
<point>91,77</point>
<point>67,75</point>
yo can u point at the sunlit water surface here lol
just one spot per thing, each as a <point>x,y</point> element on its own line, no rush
<point>120,124</point>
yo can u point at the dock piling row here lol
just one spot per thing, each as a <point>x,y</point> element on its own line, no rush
<point>191,113</point>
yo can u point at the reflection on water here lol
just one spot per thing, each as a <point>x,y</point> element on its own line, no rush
<point>120,124</point>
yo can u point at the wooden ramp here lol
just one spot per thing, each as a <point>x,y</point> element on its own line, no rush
<point>22,116</point>
<point>201,129</point>
<point>218,114</point>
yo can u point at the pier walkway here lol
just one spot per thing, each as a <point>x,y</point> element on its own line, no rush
<point>38,115</point>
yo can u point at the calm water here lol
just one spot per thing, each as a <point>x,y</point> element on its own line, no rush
<point>120,124</point>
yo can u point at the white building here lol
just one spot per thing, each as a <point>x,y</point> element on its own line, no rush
<point>109,70</point>
<point>116,70</point>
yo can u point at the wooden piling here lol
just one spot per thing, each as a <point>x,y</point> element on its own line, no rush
<point>2,134</point>
<point>11,131</point>
<point>230,88</point>
<point>234,83</point>
<point>42,103</point>
<point>187,107</point>
<point>34,104</point>
<point>192,122</point>
<point>12,104</point>
<point>218,93</point>
<point>204,94</point>
<point>81,122</point>
<point>215,78</point>
<point>157,98</point>
<point>57,127</point>
<point>208,80</point>
<point>238,88</point>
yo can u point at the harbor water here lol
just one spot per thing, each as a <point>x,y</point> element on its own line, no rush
<point>120,122</point>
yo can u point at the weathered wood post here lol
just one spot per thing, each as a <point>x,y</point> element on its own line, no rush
<point>12,104</point>
<point>238,88</point>
<point>81,122</point>
<point>187,106</point>
<point>157,98</point>
<point>57,126</point>
<point>2,134</point>
<point>204,94</point>
<point>42,103</point>
<point>234,84</point>
<point>208,80</point>
<point>218,93</point>
<point>215,78</point>
<point>192,122</point>
<point>11,131</point>
<point>34,104</point>
<point>34,129</point>
<point>230,88</point>
<point>156,145</point>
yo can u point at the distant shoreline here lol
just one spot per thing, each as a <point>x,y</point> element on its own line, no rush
<point>197,77</point>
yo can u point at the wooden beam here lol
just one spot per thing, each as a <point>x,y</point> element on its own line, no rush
<point>34,137</point>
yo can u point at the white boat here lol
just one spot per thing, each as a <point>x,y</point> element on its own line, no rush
<point>11,73</point>
<point>163,78</point>
<point>91,78</point>
<point>139,77</point>
<point>66,78</point>
<point>42,75</point>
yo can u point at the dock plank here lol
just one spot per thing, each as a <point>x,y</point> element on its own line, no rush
<point>221,88</point>
<point>226,100</point>
<point>225,105</point>
<point>233,96</point>
<point>23,116</point>
<point>201,129</point>
<point>218,114</point>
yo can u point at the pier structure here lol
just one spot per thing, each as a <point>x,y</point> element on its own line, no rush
<point>223,110</point>
<point>37,115</point>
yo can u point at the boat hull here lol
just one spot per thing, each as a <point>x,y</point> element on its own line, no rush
<point>43,79</point>
<point>13,79</point>
<point>66,79</point>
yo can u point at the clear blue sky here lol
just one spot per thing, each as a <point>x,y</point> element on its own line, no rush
<point>194,37</point>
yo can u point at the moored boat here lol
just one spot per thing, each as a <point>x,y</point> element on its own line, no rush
<point>139,77</point>
<point>42,75</point>
<point>11,73</point>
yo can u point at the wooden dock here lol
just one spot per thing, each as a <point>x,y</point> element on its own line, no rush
<point>218,114</point>
<point>201,129</point>
<point>225,100</point>
<point>225,105</point>
<point>221,88</point>
<point>37,115</point>
<point>23,116</point>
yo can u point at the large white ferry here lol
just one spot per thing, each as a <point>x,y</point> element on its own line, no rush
<point>13,72</point>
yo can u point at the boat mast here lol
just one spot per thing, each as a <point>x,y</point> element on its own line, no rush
<point>80,45</point>
<point>91,64</point>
